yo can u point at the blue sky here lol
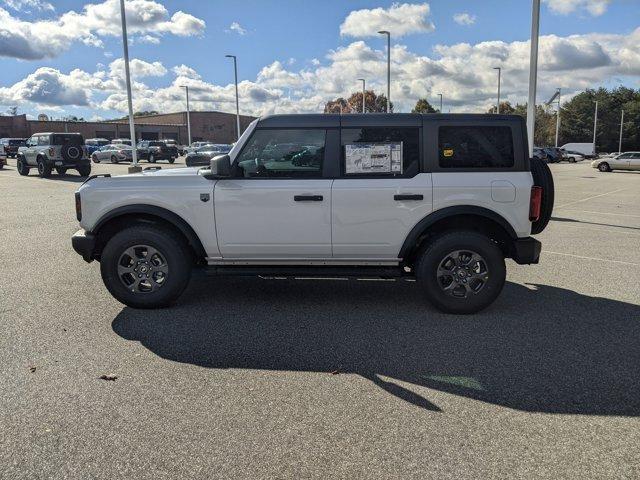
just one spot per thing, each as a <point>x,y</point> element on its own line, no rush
<point>294,55</point>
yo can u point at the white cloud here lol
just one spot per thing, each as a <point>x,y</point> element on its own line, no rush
<point>463,72</point>
<point>565,7</point>
<point>48,38</point>
<point>21,5</point>
<point>237,28</point>
<point>401,19</point>
<point>464,18</point>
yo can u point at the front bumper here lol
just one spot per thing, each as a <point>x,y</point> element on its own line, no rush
<point>84,244</point>
<point>526,250</point>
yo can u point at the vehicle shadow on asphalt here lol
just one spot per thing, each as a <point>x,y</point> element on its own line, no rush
<point>538,348</point>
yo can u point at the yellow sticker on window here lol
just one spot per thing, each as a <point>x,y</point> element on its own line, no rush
<point>448,152</point>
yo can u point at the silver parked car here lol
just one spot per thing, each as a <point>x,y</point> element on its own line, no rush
<point>112,153</point>
<point>623,161</point>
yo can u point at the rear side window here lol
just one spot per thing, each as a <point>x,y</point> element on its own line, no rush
<point>286,153</point>
<point>64,139</point>
<point>475,147</point>
<point>381,151</point>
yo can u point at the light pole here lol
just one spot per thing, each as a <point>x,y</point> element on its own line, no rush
<point>186,87</point>
<point>440,95</point>
<point>533,73</point>
<point>363,94</point>
<point>235,72</point>
<point>595,127</point>
<point>551,100</point>
<point>385,32</point>
<point>499,73</point>
<point>132,129</point>
<point>621,124</point>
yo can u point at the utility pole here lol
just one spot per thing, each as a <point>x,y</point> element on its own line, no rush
<point>132,130</point>
<point>363,94</point>
<point>621,124</point>
<point>186,87</point>
<point>498,104</point>
<point>558,117</point>
<point>388,34</point>
<point>440,95</point>
<point>595,127</point>
<point>533,73</point>
<point>235,70</point>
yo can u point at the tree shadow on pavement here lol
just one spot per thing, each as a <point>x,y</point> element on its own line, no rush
<point>538,348</point>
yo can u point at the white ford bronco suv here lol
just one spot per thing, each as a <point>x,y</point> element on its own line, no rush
<point>442,199</point>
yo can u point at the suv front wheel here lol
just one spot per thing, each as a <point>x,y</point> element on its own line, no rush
<point>146,266</point>
<point>461,272</point>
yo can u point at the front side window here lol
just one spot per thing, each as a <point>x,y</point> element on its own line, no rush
<point>43,140</point>
<point>381,151</point>
<point>286,153</point>
<point>475,147</point>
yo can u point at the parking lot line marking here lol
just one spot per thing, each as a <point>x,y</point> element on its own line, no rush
<point>591,258</point>
<point>598,229</point>
<point>604,213</point>
<point>591,198</point>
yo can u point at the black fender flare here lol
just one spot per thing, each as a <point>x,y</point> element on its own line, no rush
<point>443,213</point>
<point>160,212</point>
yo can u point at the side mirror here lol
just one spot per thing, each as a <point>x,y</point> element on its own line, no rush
<point>221,166</point>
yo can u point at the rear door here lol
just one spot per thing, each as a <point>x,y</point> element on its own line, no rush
<point>634,161</point>
<point>382,190</point>
<point>277,208</point>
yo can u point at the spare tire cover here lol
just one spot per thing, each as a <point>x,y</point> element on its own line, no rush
<point>542,177</point>
<point>71,152</point>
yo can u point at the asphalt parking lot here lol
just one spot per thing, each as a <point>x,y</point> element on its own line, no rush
<point>250,378</point>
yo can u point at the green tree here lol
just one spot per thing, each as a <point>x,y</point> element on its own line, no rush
<point>353,104</point>
<point>505,108</point>
<point>423,106</point>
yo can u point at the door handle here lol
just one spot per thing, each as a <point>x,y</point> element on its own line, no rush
<point>307,198</point>
<point>402,197</point>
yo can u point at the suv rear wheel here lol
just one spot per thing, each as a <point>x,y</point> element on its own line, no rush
<point>44,169</point>
<point>146,266</point>
<point>461,272</point>
<point>21,166</point>
<point>85,170</point>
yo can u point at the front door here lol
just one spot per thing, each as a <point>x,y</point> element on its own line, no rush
<point>277,207</point>
<point>31,150</point>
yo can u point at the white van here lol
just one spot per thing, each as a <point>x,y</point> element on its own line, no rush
<point>586,149</point>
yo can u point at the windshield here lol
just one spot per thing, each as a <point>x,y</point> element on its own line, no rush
<point>156,144</point>
<point>66,139</point>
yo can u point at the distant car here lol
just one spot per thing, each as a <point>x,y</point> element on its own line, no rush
<point>94,144</point>
<point>121,141</point>
<point>112,153</point>
<point>11,145</point>
<point>554,154</point>
<point>573,157</point>
<point>203,155</point>
<point>3,157</point>
<point>154,150</point>
<point>46,151</point>
<point>182,150</point>
<point>540,154</point>
<point>624,161</point>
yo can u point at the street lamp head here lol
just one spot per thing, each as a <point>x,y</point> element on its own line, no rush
<point>384,32</point>
<point>230,56</point>
<point>497,68</point>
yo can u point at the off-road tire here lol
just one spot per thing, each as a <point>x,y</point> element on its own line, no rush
<point>438,249</point>
<point>44,169</point>
<point>169,244</point>
<point>61,170</point>
<point>542,177</point>
<point>21,166</point>
<point>84,171</point>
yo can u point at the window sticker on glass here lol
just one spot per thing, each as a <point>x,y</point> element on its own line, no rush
<point>363,158</point>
